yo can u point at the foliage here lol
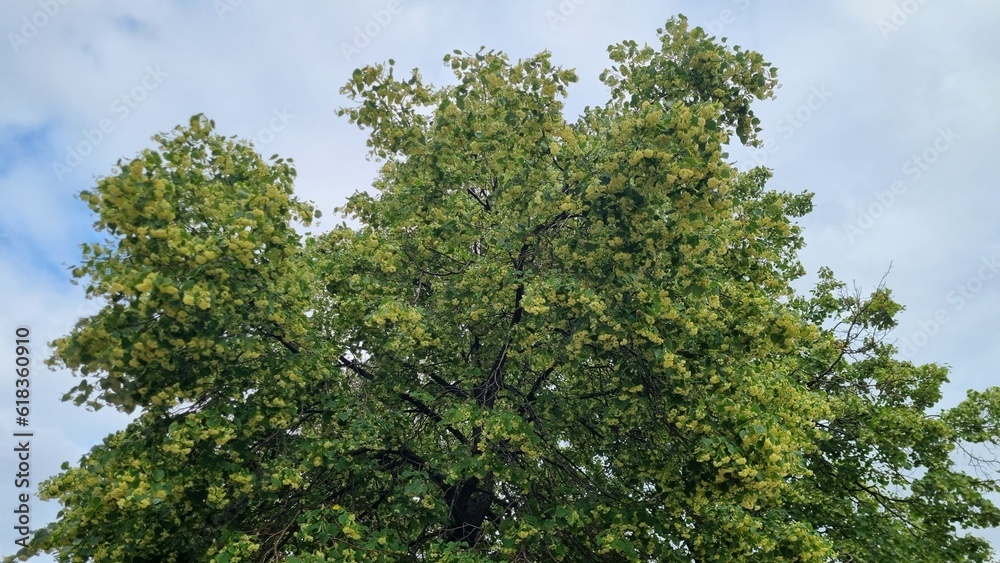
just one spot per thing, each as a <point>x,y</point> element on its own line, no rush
<point>545,341</point>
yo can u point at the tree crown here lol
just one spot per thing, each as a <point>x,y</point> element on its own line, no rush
<point>546,341</point>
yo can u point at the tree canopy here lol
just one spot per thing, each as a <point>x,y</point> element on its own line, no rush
<point>541,340</point>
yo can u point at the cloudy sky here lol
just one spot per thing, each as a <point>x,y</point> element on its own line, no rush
<point>886,111</point>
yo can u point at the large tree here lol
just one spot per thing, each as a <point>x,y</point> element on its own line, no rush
<point>543,340</point>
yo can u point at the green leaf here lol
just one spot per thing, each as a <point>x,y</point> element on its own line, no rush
<point>528,343</point>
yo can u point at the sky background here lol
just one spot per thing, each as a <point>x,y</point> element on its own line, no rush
<point>886,111</point>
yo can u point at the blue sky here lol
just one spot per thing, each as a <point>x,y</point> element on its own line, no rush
<point>887,111</point>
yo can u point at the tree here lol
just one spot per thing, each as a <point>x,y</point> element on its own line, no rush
<point>545,341</point>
